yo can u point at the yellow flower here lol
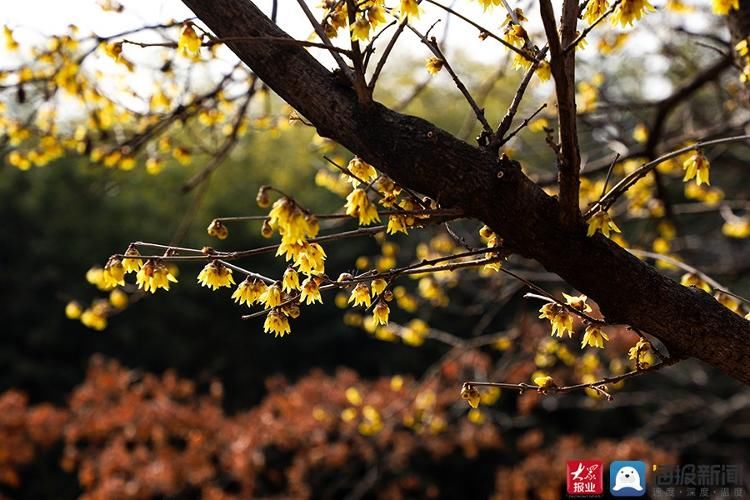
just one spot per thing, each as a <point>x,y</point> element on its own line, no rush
<point>601,221</point>
<point>594,336</point>
<point>476,416</point>
<point>215,275</point>
<point>218,229</point>
<point>742,47</point>
<point>409,8</point>
<point>594,10</point>
<point>353,396</point>
<point>271,297</point>
<point>95,276</point>
<point>93,318</point>
<point>692,279</point>
<point>538,125</point>
<point>290,280</point>
<point>640,133</point>
<point>10,43</point>
<point>543,71</point>
<point>434,65</point>
<point>311,291</point>
<point>729,302</point>
<point>294,225</point>
<point>358,205</point>
<point>679,7</point>
<point>249,291</point>
<point>182,155</point>
<point>360,30</point>
<point>276,323</point>
<point>118,299</point>
<point>560,319</point>
<point>154,275</point>
<point>113,50</point>
<point>544,381</point>
<point>640,352</point>
<point>380,313</point>
<point>360,295</point>
<point>697,166</point>
<point>73,310</point>
<point>722,7</point>
<point>362,170</point>
<point>520,62</point>
<point>471,395</point>
<point>628,11</point>
<point>515,35</point>
<point>189,44</point>
<point>378,286</point>
<point>396,224</point>
<point>376,15</point>
<point>738,227</point>
<point>310,259</point>
<point>114,273</point>
<point>577,302</point>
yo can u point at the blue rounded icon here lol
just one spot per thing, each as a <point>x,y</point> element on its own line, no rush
<point>627,478</point>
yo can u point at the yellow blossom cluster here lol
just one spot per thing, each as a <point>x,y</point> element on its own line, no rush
<point>104,131</point>
<point>154,275</point>
<point>737,227</point>
<point>359,205</point>
<point>642,353</point>
<point>601,221</point>
<point>215,275</point>
<point>723,7</point>
<point>697,167</point>
<point>628,11</point>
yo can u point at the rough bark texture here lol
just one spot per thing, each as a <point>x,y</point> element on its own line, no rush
<point>423,157</point>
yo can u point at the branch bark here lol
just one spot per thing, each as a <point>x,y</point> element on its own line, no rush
<point>562,67</point>
<point>423,157</point>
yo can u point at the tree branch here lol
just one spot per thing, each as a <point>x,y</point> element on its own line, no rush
<point>421,156</point>
<point>562,66</point>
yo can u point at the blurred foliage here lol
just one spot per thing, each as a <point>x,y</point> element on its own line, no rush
<point>130,434</point>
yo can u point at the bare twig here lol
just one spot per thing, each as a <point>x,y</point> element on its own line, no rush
<point>326,41</point>
<point>435,49</point>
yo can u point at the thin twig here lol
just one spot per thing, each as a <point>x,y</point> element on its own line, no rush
<point>435,49</point>
<point>346,70</point>
<point>621,187</point>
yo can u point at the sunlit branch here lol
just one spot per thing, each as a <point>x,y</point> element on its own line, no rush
<point>369,49</point>
<point>324,38</point>
<point>363,231</point>
<point>597,385</point>
<point>386,53</point>
<point>229,143</point>
<point>507,120</point>
<point>432,213</point>
<point>483,31</point>
<point>562,66</point>
<point>388,275</point>
<point>240,39</point>
<point>360,85</point>
<point>593,25</point>
<point>524,123</point>
<point>435,49</point>
<point>621,187</point>
<point>690,269</point>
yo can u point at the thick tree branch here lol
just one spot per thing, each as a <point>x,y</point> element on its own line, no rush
<point>425,158</point>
